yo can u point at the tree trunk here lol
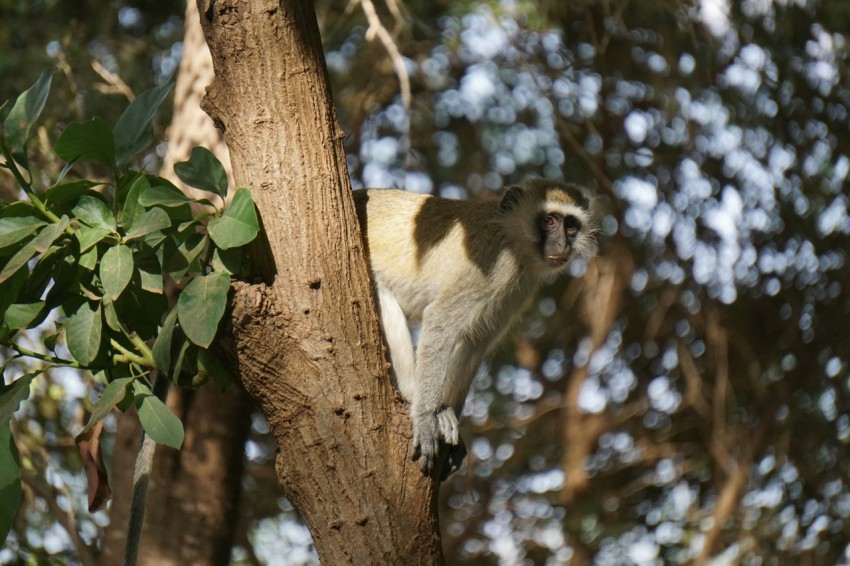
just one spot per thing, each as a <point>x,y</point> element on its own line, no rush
<point>191,512</point>
<point>192,509</point>
<point>306,342</point>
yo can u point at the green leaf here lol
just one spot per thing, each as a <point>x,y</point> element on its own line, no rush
<point>179,214</point>
<point>133,132</point>
<point>162,346</point>
<point>196,220</point>
<point>201,305</point>
<point>111,396</point>
<point>238,225</point>
<point>151,281</point>
<point>66,274</point>
<point>116,269</point>
<point>40,244</point>
<point>65,170</point>
<point>15,229</point>
<point>88,259</point>
<point>12,394</point>
<point>181,258</point>
<point>90,236</point>
<point>159,422</point>
<point>24,113</point>
<point>151,221</point>
<point>229,261</point>
<point>144,310</point>
<point>22,315</point>
<point>67,194</point>
<point>87,141</point>
<point>10,480</point>
<point>133,209</point>
<point>150,273</point>
<point>208,364</point>
<point>49,235</point>
<point>185,345</point>
<point>39,278</point>
<point>18,208</point>
<point>115,373</point>
<point>162,195</point>
<point>83,332</point>
<point>94,212</point>
<point>10,289</point>
<point>54,279</point>
<point>153,240</point>
<point>203,171</point>
<point>110,315</point>
<point>50,341</point>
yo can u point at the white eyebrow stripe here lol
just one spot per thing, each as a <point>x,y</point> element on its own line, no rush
<point>566,210</point>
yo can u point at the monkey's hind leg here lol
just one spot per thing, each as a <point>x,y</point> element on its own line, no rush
<point>397,335</point>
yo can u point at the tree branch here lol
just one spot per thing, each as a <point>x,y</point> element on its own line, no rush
<point>376,28</point>
<point>65,517</point>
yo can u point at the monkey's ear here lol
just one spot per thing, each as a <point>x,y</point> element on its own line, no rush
<point>510,199</point>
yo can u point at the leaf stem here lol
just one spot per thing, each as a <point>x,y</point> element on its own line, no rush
<point>143,349</point>
<point>27,186</point>
<point>143,355</point>
<point>45,357</point>
<point>126,355</point>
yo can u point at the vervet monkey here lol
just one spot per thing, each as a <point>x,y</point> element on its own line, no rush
<point>463,270</point>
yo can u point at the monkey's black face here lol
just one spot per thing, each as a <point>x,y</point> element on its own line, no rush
<point>558,233</point>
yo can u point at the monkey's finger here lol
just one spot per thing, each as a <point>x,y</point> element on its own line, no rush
<point>429,462</point>
<point>447,424</point>
<point>449,430</point>
<point>431,459</point>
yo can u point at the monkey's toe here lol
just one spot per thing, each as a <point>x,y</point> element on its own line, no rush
<point>426,441</point>
<point>457,454</point>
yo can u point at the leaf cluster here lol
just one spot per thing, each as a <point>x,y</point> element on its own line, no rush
<point>94,257</point>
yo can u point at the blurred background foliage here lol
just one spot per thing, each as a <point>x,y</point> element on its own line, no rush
<point>688,396</point>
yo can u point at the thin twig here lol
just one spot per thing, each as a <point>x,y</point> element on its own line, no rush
<point>113,81</point>
<point>720,441</point>
<point>65,517</point>
<point>376,28</point>
<point>730,493</point>
<point>694,389</point>
<point>392,5</point>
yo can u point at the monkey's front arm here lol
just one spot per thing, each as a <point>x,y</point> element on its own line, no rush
<point>445,363</point>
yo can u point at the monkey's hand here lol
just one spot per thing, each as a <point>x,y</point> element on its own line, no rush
<point>426,440</point>
<point>447,423</point>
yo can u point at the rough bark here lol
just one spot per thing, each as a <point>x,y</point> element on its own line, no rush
<point>192,499</point>
<point>306,340</point>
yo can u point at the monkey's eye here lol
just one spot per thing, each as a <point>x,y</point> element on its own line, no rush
<point>572,225</point>
<point>550,221</point>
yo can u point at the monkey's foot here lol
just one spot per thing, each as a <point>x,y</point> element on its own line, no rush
<point>453,463</point>
<point>426,441</point>
<point>447,424</point>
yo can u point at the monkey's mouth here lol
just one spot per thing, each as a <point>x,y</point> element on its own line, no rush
<point>557,260</point>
